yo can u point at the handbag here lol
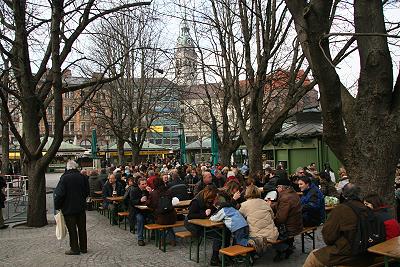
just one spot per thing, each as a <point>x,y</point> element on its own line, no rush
<point>61,228</point>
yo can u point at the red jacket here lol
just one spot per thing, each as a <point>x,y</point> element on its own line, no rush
<point>150,181</point>
<point>391,225</point>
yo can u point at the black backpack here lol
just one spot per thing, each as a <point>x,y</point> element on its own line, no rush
<point>164,205</point>
<point>370,230</point>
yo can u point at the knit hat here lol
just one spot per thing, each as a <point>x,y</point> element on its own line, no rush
<point>283,181</point>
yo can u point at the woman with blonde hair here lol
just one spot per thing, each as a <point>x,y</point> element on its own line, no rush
<point>260,218</point>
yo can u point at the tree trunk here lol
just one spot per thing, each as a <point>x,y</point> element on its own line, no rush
<point>37,195</point>
<point>120,148</point>
<point>4,142</point>
<point>254,148</point>
<point>371,155</point>
<point>135,155</point>
<point>225,155</point>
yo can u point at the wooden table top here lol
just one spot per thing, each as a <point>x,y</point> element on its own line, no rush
<point>117,199</point>
<point>142,207</point>
<point>183,203</point>
<point>206,223</point>
<point>98,192</point>
<point>390,248</point>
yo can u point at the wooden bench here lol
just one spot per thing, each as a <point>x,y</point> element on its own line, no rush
<point>235,252</point>
<point>97,202</point>
<point>160,234</point>
<point>123,214</point>
<point>310,233</point>
<point>187,234</point>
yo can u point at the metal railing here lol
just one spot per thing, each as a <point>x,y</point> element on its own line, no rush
<point>16,195</point>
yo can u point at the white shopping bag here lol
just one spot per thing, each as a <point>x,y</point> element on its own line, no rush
<point>61,228</point>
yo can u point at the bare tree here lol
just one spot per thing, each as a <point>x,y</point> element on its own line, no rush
<point>137,99</point>
<point>252,45</point>
<point>59,25</point>
<point>362,130</point>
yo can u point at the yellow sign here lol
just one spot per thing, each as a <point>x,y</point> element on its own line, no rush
<point>154,129</point>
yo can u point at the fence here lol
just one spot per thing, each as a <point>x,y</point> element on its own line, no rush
<point>16,196</point>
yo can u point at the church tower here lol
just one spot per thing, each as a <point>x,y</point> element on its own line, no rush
<point>185,57</point>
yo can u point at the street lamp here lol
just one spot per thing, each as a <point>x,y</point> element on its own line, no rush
<point>182,143</point>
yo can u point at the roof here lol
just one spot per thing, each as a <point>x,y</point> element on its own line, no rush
<point>65,146</point>
<point>206,143</point>
<point>146,146</point>
<point>304,129</point>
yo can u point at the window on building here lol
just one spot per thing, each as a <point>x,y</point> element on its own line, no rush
<point>174,141</point>
<point>158,141</point>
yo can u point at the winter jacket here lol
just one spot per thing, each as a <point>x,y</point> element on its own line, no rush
<point>94,185</point>
<point>135,196</point>
<point>313,206</point>
<point>108,191</point>
<point>153,201</point>
<point>271,184</point>
<point>392,228</point>
<point>328,188</point>
<point>288,211</point>
<point>189,179</point>
<point>338,233</point>
<point>71,193</point>
<point>3,184</point>
<point>150,181</point>
<point>232,218</point>
<point>260,218</point>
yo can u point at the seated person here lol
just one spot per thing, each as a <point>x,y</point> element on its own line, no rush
<point>374,202</point>
<point>260,218</point>
<point>180,191</point>
<point>312,202</point>
<point>112,188</point>
<point>232,190</point>
<point>339,232</point>
<point>288,217</point>
<point>327,186</point>
<point>207,180</point>
<point>163,213</point>
<point>233,220</point>
<point>201,207</point>
<point>138,196</point>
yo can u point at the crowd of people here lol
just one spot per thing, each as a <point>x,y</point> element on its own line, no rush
<point>257,209</point>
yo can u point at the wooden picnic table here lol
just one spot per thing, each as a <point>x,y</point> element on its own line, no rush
<point>183,204</point>
<point>389,249</point>
<point>180,205</point>
<point>116,199</point>
<point>142,207</point>
<point>208,227</point>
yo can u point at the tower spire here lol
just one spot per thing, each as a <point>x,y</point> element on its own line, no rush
<point>185,56</point>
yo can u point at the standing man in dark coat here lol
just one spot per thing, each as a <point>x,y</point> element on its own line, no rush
<point>70,196</point>
<point>3,184</point>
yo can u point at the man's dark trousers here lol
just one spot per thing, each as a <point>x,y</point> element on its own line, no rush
<point>76,225</point>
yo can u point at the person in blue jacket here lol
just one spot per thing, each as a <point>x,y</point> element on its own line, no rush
<point>312,202</point>
<point>233,220</point>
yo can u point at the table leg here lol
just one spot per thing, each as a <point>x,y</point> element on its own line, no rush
<point>205,246</point>
<point>386,258</point>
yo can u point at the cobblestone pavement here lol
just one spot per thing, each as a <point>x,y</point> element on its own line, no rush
<point>107,246</point>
